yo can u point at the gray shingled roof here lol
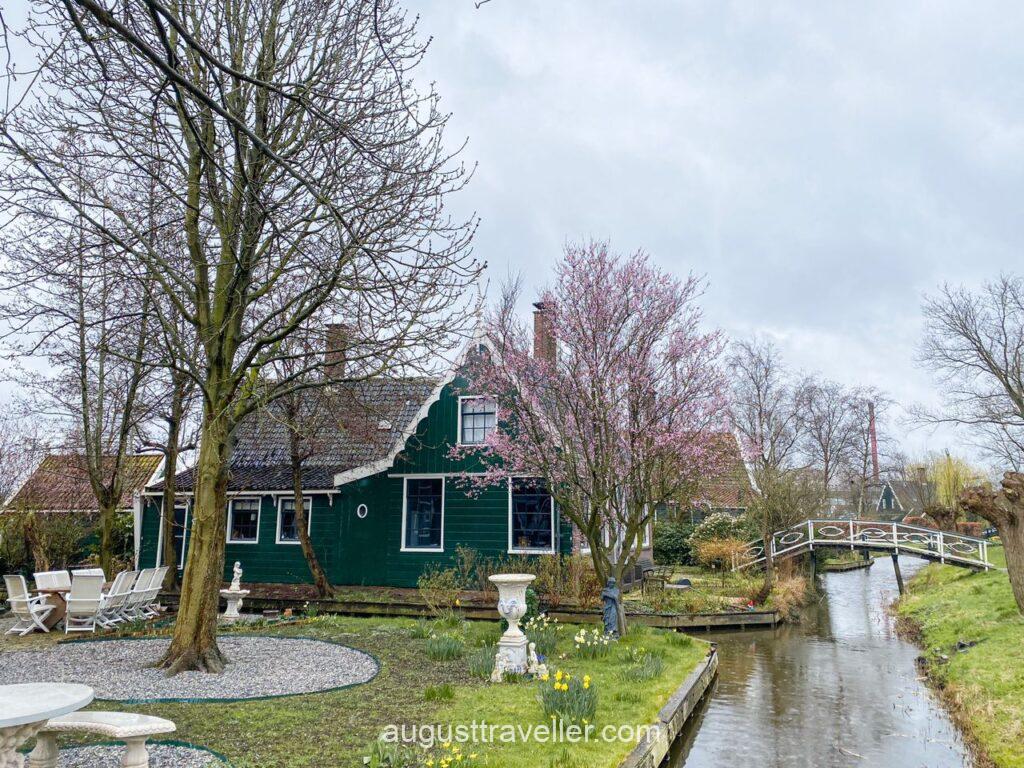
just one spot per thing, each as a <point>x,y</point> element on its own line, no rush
<point>364,421</point>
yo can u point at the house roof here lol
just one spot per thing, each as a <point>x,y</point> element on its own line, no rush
<point>357,424</point>
<point>731,488</point>
<point>61,482</point>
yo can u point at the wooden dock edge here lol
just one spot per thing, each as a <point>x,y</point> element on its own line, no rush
<point>674,715</point>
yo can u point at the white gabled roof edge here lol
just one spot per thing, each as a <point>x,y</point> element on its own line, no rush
<point>366,470</point>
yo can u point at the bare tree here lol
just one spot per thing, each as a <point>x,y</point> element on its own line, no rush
<point>765,412</point>
<point>827,426</point>
<point>63,301</point>
<point>308,179</point>
<point>974,345</point>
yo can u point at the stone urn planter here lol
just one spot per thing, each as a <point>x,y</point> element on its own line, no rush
<point>513,652</point>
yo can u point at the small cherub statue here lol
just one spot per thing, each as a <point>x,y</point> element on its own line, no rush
<point>236,580</point>
<point>534,667</point>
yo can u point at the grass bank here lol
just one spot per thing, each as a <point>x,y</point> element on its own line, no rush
<point>337,728</point>
<point>973,641</point>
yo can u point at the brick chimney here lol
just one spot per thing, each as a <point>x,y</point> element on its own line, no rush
<point>544,346</point>
<point>336,340</point>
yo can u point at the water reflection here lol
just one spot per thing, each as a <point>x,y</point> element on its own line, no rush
<point>841,689</point>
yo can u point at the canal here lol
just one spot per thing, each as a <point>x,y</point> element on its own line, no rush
<point>839,689</point>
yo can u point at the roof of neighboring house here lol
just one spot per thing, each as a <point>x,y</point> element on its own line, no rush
<point>731,488</point>
<point>61,482</point>
<point>355,424</point>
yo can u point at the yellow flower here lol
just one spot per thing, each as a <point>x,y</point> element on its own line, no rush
<point>585,721</point>
<point>558,675</point>
<point>457,603</point>
<point>544,677</point>
<point>446,745</point>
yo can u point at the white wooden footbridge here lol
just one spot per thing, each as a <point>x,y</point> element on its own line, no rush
<point>870,535</point>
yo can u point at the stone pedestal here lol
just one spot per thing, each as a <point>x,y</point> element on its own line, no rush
<point>512,655</point>
<point>234,598</point>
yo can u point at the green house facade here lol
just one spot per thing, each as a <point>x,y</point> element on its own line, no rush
<point>385,497</point>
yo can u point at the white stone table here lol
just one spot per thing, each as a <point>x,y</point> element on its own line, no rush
<point>25,708</point>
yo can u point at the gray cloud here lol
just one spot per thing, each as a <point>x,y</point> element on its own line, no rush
<point>823,164</point>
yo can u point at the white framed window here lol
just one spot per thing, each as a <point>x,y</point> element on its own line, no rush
<point>362,511</point>
<point>180,529</point>
<point>287,533</point>
<point>423,514</point>
<point>244,520</point>
<point>478,416</point>
<point>531,517</point>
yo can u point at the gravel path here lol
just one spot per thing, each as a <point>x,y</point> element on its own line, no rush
<point>160,756</point>
<point>257,666</point>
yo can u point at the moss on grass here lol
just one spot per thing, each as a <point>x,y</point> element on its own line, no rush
<point>984,683</point>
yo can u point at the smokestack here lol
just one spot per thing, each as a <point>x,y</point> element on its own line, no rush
<point>544,347</point>
<point>336,341</point>
<point>874,441</point>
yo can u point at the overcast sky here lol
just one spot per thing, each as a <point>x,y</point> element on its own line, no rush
<point>823,166</point>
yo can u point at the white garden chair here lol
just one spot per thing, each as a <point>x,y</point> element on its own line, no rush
<point>84,603</point>
<point>133,606</point>
<point>114,600</point>
<point>30,611</point>
<point>52,580</point>
<point>89,572</point>
<point>153,593</point>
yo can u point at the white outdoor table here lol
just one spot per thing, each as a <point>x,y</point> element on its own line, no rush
<point>25,708</point>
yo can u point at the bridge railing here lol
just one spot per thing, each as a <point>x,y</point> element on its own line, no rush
<point>944,546</point>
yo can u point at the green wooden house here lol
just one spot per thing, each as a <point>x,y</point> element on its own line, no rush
<point>385,498</point>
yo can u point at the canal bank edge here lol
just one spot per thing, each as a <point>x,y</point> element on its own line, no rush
<point>673,716</point>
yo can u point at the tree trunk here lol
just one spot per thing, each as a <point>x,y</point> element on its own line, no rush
<point>36,549</point>
<point>194,644</point>
<point>1005,510</point>
<point>108,512</point>
<point>169,556</point>
<point>323,586</point>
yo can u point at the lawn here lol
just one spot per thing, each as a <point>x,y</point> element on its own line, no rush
<point>984,683</point>
<point>336,728</point>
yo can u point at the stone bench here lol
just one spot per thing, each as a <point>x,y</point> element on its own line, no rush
<point>134,730</point>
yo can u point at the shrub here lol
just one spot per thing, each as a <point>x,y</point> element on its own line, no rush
<point>449,619</point>
<point>975,529</point>
<point>568,699</point>
<point>420,630</point>
<point>631,696</point>
<point>594,644</point>
<point>788,596</point>
<point>581,583</point>
<point>443,692</point>
<point>680,640</point>
<point>481,662</point>
<point>544,632</point>
<point>672,543</point>
<point>439,588</point>
<point>445,647</point>
<point>722,525</point>
<point>720,554</point>
<point>566,759</point>
<point>385,754</point>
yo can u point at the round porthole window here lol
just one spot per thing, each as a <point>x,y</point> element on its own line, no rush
<point>362,511</point>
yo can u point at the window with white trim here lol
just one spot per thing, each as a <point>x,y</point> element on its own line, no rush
<point>244,521</point>
<point>179,526</point>
<point>477,419</point>
<point>287,531</point>
<point>531,516</point>
<point>423,514</point>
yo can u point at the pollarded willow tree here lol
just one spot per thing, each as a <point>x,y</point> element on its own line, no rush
<point>306,180</point>
<point>622,407</point>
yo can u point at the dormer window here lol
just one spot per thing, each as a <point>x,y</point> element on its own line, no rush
<point>478,416</point>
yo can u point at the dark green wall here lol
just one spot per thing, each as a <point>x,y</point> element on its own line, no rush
<point>367,551</point>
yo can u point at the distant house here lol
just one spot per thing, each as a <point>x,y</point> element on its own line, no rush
<point>730,491</point>
<point>60,485</point>
<point>894,500</point>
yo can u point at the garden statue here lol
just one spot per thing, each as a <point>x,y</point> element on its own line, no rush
<point>234,594</point>
<point>612,598</point>
<point>535,667</point>
<point>236,577</point>
<point>512,647</point>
